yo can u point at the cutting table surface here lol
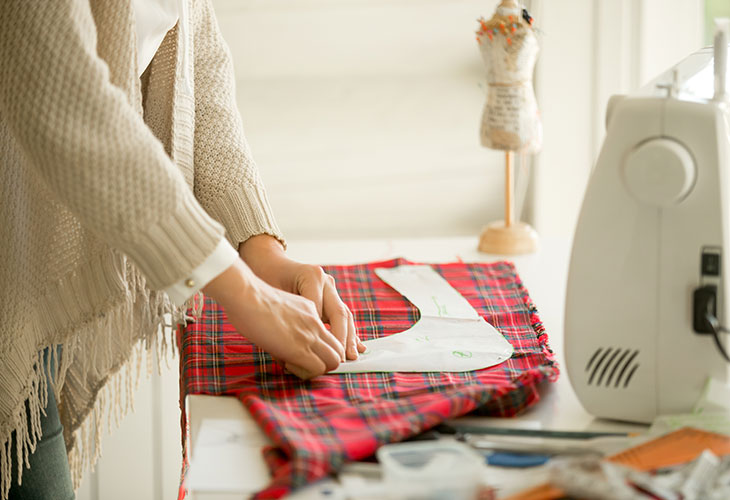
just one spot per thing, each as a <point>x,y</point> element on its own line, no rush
<point>544,274</point>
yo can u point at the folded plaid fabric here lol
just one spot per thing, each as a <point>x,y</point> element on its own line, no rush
<point>318,425</point>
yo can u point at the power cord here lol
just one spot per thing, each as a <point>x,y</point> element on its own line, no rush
<point>716,329</point>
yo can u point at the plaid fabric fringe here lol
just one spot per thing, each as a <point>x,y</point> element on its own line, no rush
<point>318,425</point>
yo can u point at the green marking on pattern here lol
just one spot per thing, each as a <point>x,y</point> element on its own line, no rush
<point>441,308</point>
<point>462,354</point>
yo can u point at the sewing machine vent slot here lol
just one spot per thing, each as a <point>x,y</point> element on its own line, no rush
<point>612,367</point>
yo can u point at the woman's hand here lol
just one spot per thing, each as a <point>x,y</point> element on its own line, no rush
<point>285,325</point>
<point>266,257</point>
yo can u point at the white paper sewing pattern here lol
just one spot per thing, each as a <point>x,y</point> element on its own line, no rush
<point>450,336</point>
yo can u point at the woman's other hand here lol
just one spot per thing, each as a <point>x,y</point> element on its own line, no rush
<point>266,257</point>
<point>283,324</point>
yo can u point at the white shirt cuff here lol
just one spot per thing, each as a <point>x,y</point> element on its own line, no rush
<point>222,257</point>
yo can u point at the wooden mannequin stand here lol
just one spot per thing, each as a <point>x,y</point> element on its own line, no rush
<point>508,237</point>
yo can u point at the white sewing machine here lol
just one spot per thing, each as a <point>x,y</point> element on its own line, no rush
<point>654,227</point>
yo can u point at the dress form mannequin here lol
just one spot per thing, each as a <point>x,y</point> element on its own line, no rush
<point>511,120</point>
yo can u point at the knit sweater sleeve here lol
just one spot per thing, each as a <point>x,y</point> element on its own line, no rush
<point>89,145</point>
<point>227,182</point>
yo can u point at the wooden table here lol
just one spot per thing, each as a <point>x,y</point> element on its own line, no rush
<point>543,273</point>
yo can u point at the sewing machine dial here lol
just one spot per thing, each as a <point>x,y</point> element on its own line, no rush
<point>659,172</point>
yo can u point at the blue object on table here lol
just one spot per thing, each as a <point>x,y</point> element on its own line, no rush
<point>516,460</point>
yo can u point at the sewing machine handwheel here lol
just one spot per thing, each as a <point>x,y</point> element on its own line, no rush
<point>659,172</point>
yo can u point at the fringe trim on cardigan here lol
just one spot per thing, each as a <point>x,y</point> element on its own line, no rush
<point>115,400</point>
<point>145,319</point>
<point>22,447</point>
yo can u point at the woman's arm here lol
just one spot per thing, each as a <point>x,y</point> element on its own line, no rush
<point>228,185</point>
<point>227,182</point>
<point>89,145</point>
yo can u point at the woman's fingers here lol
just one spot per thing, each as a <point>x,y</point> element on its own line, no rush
<point>300,372</point>
<point>353,337</point>
<point>326,352</point>
<point>320,288</point>
<point>310,284</point>
<point>321,359</point>
<point>352,348</point>
<point>341,320</point>
<point>351,345</point>
<point>339,317</point>
<point>323,336</point>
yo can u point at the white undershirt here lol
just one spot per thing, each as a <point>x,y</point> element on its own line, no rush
<point>222,257</point>
<point>154,18</point>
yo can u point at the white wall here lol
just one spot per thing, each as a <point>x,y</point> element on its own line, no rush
<point>363,115</point>
<point>593,49</point>
<point>563,82</point>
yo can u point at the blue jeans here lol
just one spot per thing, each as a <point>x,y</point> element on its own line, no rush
<point>49,476</point>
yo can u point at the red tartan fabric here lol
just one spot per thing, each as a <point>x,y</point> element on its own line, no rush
<point>319,424</point>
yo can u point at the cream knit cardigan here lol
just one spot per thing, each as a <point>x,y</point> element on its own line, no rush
<point>112,187</point>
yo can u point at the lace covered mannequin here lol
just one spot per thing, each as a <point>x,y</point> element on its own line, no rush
<point>510,121</point>
<point>508,44</point>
